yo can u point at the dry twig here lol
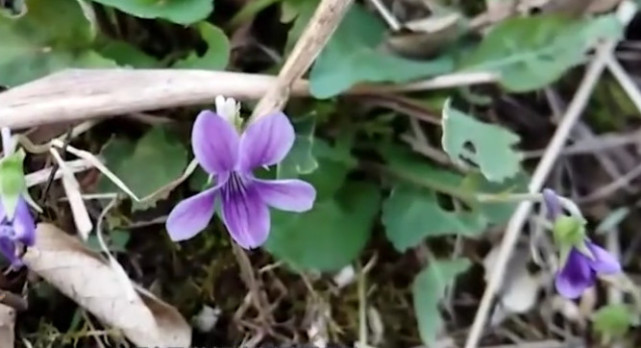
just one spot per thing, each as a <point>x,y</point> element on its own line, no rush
<point>78,94</point>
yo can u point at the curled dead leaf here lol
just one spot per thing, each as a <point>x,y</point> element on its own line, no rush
<point>84,276</point>
<point>424,37</point>
<point>519,289</point>
<point>7,324</point>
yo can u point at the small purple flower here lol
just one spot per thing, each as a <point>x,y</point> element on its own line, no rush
<point>580,271</point>
<point>19,230</point>
<point>230,157</point>
<point>552,204</point>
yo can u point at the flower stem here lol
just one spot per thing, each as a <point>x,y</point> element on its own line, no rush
<point>7,143</point>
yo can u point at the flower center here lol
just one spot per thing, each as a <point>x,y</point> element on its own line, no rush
<point>236,185</point>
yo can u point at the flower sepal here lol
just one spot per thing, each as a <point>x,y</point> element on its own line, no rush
<point>12,181</point>
<point>569,232</point>
<point>229,109</point>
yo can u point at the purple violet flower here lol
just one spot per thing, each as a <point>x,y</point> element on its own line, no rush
<point>584,261</point>
<point>19,230</point>
<point>580,271</point>
<point>231,157</point>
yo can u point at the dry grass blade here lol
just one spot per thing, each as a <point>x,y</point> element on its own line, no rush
<point>41,176</point>
<point>94,161</point>
<point>72,190</point>
<point>85,277</point>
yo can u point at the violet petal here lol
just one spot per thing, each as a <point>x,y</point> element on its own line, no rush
<point>23,224</point>
<point>246,216</point>
<point>8,249</point>
<point>191,215</point>
<point>603,261</point>
<point>552,204</point>
<point>266,141</point>
<point>215,143</point>
<point>575,277</point>
<point>289,195</point>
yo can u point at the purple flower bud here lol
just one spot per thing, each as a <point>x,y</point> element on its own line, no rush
<point>580,271</point>
<point>20,230</point>
<point>552,204</point>
<point>245,199</point>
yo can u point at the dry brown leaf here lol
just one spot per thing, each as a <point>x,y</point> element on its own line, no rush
<point>84,276</point>
<point>499,9</point>
<point>424,37</point>
<point>569,7</point>
<point>7,324</point>
<point>602,6</point>
<point>519,289</point>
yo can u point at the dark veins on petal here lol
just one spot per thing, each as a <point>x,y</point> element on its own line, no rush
<point>236,186</point>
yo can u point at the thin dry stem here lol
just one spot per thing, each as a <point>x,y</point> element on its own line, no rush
<point>387,15</point>
<point>77,94</point>
<point>322,25</point>
<point>72,190</point>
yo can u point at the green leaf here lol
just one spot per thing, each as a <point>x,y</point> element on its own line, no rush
<point>199,180</point>
<point>613,321</point>
<point>411,214</point>
<point>496,212</point>
<point>300,10</point>
<point>12,181</point>
<point>532,52</point>
<point>177,11</point>
<point>329,236</point>
<point>415,169</point>
<point>427,291</point>
<point>117,240</point>
<point>300,159</point>
<point>334,163</point>
<point>31,48</point>
<point>351,57</point>
<point>218,48</point>
<point>488,146</point>
<point>126,54</point>
<point>154,161</point>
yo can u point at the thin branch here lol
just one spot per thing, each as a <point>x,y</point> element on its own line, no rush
<point>576,107</point>
<point>611,188</point>
<point>596,143</point>
<point>457,79</point>
<point>84,94</point>
<point>321,26</point>
<point>387,15</point>
<point>626,82</point>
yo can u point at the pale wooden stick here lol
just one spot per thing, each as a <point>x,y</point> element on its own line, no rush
<point>74,95</point>
<point>321,26</point>
<point>85,94</point>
